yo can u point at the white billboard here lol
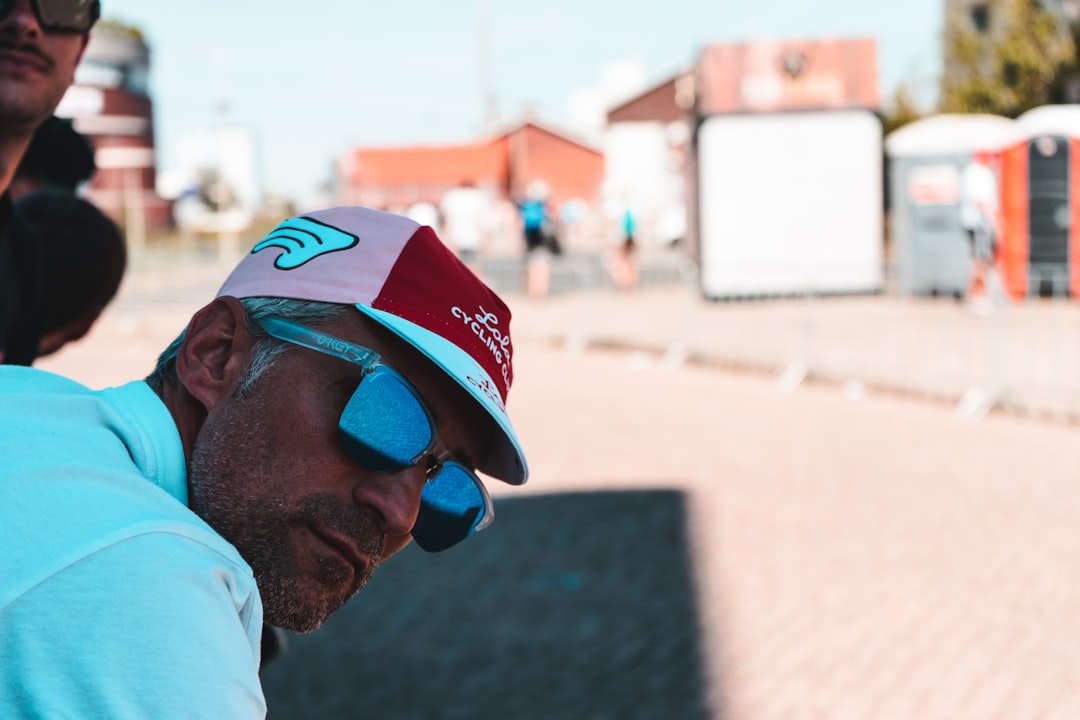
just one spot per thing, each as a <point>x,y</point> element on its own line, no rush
<point>790,203</point>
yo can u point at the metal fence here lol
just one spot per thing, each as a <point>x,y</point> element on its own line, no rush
<point>1017,355</point>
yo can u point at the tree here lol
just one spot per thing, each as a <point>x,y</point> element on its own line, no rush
<point>901,110</point>
<point>111,26</point>
<point>1013,66</point>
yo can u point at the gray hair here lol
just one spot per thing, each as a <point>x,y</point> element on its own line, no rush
<point>266,349</point>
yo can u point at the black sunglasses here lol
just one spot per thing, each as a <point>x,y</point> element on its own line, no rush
<point>76,16</point>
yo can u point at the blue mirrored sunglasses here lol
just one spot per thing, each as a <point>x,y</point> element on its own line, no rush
<point>76,16</point>
<point>386,427</point>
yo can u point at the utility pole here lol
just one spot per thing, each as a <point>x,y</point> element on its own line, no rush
<point>483,45</point>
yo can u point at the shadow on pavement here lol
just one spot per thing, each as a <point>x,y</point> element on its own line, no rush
<point>570,606</point>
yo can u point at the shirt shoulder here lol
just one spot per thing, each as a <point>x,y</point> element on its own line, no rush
<point>128,630</point>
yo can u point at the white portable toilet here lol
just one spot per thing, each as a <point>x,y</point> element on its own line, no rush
<point>926,159</point>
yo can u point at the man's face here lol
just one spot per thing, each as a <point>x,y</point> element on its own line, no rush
<point>269,473</point>
<point>36,67</point>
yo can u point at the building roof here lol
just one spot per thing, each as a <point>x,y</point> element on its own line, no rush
<point>529,118</point>
<point>952,134</point>
<point>440,164</point>
<point>1051,120</point>
<point>445,164</point>
<point>659,102</point>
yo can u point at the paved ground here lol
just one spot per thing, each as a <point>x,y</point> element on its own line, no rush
<point>1022,358</point>
<point>702,542</point>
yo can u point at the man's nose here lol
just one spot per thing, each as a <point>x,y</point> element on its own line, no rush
<point>21,19</point>
<point>394,497</point>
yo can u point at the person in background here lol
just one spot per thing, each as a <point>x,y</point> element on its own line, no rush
<point>41,43</point>
<point>467,219</point>
<point>623,258</point>
<point>425,213</point>
<point>59,158</point>
<point>75,254</point>
<point>534,222</point>
<point>333,403</point>
<point>83,257</point>
<point>979,218</point>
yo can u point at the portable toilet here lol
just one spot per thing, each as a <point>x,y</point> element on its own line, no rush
<point>926,160</point>
<point>786,181</point>
<point>1040,253</point>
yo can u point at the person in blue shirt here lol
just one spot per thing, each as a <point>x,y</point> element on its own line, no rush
<point>330,405</point>
<point>536,227</point>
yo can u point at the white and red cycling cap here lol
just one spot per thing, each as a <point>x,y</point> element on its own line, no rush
<point>400,274</point>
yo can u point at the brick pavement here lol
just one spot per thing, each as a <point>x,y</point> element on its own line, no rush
<point>850,555</point>
<point>873,558</point>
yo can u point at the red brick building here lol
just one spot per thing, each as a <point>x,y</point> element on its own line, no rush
<point>397,177</point>
<point>110,104</point>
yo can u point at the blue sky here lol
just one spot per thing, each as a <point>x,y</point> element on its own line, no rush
<point>314,78</point>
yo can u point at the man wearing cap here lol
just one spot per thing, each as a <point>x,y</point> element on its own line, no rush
<point>332,403</point>
<point>41,43</point>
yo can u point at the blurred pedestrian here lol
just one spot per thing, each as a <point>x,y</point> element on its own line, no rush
<point>623,257</point>
<point>980,220</point>
<point>333,403</point>
<point>41,43</point>
<point>467,219</point>
<point>425,213</point>
<point>535,225</point>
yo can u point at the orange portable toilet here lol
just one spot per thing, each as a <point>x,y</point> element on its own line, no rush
<point>1040,239</point>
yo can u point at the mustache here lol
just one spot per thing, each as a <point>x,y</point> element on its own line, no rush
<point>26,48</point>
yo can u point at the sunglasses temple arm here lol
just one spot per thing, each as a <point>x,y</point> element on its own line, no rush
<point>306,337</point>
<point>489,509</point>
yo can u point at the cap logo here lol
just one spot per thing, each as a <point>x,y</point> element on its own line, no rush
<point>483,324</point>
<point>484,385</point>
<point>303,239</point>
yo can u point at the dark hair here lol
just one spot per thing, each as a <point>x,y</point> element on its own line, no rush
<point>83,255</point>
<point>58,156</point>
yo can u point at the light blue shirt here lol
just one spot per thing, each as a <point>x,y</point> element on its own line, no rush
<point>116,601</point>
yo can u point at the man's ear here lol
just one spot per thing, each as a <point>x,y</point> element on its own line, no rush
<point>215,353</point>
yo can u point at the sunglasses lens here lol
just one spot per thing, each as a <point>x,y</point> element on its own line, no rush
<point>66,15</point>
<point>451,506</point>
<point>384,427</point>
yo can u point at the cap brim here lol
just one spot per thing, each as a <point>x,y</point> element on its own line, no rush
<point>505,459</point>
